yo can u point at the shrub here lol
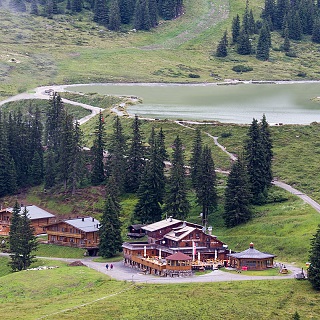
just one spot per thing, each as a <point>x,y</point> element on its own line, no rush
<point>291,54</point>
<point>241,68</point>
<point>193,75</point>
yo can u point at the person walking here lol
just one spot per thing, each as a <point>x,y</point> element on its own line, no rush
<point>111,266</point>
<point>107,266</point>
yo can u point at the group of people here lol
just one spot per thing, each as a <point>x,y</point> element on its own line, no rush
<point>107,266</point>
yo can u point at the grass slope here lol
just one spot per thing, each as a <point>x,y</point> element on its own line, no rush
<point>72,49</point>
<point>82,293</point>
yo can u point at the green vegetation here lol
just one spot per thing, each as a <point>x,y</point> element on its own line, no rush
<point>87,293</point>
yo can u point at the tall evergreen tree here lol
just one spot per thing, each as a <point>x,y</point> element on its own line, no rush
<point>314,268</point>
<point>100,12</point>
<point>177,204</point>
<point>141,19</point>
<point>263,48</point>
<point>195,161</point>
<point>266,141</point>
<point>97,173</point>
<point>244,44</point>
<point>316,31</point>
<point>34,7</point>
<point>117,153</point>
<point>50,170</point>
<point>295,27</point>
<point>126,10</point>
<point>222,50</point>
<point>236,27</point>
<point>256,163</point>
<point>237,196</point>
<point>269,12</point>
<point>153,13</point>
<point>114,16</point>
<point>286,41</point>
<point>76,5</point>
<point>282,7</point>
<point>206,185</point>
<point>110,230</point>
<point>135,161</point>
<point>24,243</point>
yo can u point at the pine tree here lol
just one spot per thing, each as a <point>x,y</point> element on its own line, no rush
<point>76,5</point>
<point>126,10</point>
<point>50,170</point>
<point>282,7</point>
<point>314,268</point>
<point>295,27</point>
<point>24,243</point>
<point>269,12</point>
<point>117,152</point>
<point>177,204</point>
<point>256,163</point>
<point>135,161</point>
<point>296,316</point>
<point>110,230</point>
<point>206,185</point>
<point>34,7</point>
<point>316,31</point>
<point>222,50</point>
<point>237,196</point>
<point>36,170</point>
<point>153,13</point>
<point>114,16</point>
<point>245,19</point>
<point>148,209</point>
<point>251,23</point>
<point>263,48</point>
<point>286,41</point>
<point>195,161</point>
<point>97,172</point>
<point>100,12</point>
<point>244,45</point>
<point>236,29</point>
<point>266,141</point>
<point>142,15</point>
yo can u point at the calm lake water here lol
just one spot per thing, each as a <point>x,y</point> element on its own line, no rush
<point>289,103</point>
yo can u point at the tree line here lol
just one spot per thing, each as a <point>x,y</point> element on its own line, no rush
<point>292,19</point>
<point>113,14</point>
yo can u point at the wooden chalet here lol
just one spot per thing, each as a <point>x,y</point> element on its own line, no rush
<point>39,219</point>
<point>171,236</point>
<point>251,259</point>
<point>135,231</point>
<point>78,232</point>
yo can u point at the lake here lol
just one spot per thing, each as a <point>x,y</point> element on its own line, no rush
<point>288,103</point>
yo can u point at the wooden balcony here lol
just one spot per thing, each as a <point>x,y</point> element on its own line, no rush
<point>66,234</point>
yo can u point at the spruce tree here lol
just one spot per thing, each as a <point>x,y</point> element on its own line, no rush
<point>244,45</point>
<point>110,229</point>
<point>236,29</point>
<point>316,31</point>
<point>206,185</point>
<point>256,163</point>
<point>314,268</point>
<point>295,27</point>
<point>153,13</point>
<point>195,161</point>
<point>177,204</point>
<point>114,16</point>
<point>266,141</point>
<point>222,50</point>
<point>237,195</point>
<point>135,161</point>
<point>141,19</point>
<point>76,5</point>
<point>126,10</point>
<point>97,172</point>
<point>34,8</point>
<point>286,41</point>
<point>263,48</point>
<point>24,242</point>
<point>100,12</point>
<point>117,153</point>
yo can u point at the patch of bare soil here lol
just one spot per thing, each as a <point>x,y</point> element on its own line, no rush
<point>76,263</point>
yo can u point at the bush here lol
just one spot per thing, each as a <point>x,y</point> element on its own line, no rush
<point>226,134</point>
<point>241,68</point>
<point>291,54</point>
<point>302,74</point>
<point>193,75</point>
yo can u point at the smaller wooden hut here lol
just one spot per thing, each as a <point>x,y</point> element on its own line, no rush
<point>251,259</point>
<point>179,264</point>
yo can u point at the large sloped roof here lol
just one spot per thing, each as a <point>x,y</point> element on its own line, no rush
<point>178,234</point>
<point>178,256</point>
<point>84,224</point>
<point>34,212</point>
<point>251,253</point>
<point>161,224</point>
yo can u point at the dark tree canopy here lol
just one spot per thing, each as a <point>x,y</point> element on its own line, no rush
<point>314,268</point>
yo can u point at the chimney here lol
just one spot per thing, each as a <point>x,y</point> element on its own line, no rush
<point>210,230</point>
<point>92,219</point>
<point>170,218</point>
<point>251,245</point>
<point>82,219</point>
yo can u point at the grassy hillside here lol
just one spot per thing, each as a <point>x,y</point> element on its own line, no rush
<point>82,293</point>
<point>72,49</point>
